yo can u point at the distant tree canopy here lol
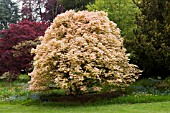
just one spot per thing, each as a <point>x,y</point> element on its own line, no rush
<point>8,13</point>
<point>39,10</point>
<point>76,4</point>
<point>52,9</point>
<point>151,46</point>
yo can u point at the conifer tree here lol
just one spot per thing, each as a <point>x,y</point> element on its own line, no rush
<point>151,45</point>
<point>8,13</point>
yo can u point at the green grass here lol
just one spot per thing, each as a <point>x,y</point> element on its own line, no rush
<point>141,97</point>
<point>158,107</point>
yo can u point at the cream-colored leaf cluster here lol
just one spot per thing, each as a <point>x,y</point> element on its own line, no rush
<point>81,50</point>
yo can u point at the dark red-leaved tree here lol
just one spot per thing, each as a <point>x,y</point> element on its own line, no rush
<point>14,58</point>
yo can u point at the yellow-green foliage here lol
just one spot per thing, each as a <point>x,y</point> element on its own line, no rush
<point>81,51</point>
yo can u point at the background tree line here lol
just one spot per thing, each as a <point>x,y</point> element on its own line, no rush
<point>145,25</point>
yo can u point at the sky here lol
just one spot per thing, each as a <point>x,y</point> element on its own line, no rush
<point>19,3</point>
<point>14,0</point>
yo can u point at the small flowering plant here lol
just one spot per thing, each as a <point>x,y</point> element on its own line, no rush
<point>81,51</point>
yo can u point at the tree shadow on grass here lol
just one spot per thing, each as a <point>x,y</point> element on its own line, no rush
<point>76,100</point>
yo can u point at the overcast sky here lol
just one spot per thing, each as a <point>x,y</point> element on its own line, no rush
<point>17,3</point>
<point>14,0</point>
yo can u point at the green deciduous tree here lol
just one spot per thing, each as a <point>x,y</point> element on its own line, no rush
<point>120,11</point>
<point>8,13</point>
<point>151,46</point>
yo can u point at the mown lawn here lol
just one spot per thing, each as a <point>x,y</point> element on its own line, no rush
<point>157,107</point>
<point>143,97</point>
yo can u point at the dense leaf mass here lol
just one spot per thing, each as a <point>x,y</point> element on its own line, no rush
<point>151,44</point>
<point>81,51</point>
<point>15,58</point>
